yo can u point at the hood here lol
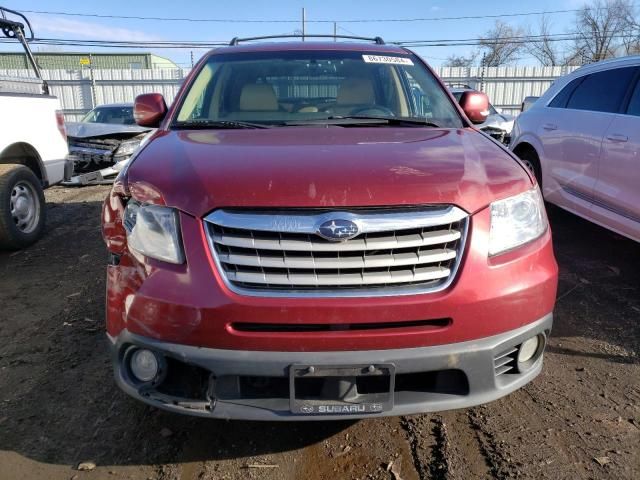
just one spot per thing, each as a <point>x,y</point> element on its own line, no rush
<point>499,121</point>
<point>198,171</point>
<point>86,130</point>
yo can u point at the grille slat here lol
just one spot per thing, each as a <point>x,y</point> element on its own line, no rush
<point>505,362</point>
<point>277,252</point>
<point>340,279</point>
<point>355,245</point>
<point>503,369</point>
<point>361,261</point>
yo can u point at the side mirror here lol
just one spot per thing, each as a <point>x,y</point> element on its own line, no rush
<point>149,110</point>
<point>475,106</point>
<point>527,102</point>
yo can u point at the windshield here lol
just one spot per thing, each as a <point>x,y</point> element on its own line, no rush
<point>116,115</point>
<point>310,86</point>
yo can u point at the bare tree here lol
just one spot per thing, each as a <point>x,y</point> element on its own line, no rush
<point>605,29</point>
<point>631,37</point>
<point>575,57</point>
<point>501,45</point>
<point>460,60</point>
<point>542,46</point>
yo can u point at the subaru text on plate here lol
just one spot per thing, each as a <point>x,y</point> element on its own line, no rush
<point>317,231</point>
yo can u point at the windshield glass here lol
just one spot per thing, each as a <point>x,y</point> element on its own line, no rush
<point>299,86</point>
<point>117,115</point>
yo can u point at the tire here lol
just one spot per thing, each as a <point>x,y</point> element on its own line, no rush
<point>22,207</point>
<point>532,162</point>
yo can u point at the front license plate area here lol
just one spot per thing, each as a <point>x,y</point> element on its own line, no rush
<point>341,389</point>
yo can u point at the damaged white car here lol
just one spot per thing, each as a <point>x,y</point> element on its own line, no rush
<point>101,144</point>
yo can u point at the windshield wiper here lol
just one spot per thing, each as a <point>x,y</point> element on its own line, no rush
<point>228,124</point>
<point>388,120</point>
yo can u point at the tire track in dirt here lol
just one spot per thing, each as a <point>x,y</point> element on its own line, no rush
<point>497,463</point>
<point>422,445</point>
<point>305,450</point>
<point>446,447</point>
<point>467,457</point>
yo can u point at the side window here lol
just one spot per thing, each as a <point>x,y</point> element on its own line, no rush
<point>560,100</point>
<point>602,91</point>
<point>634,103</point>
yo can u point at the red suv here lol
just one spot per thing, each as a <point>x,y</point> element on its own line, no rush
<point>316,230</point>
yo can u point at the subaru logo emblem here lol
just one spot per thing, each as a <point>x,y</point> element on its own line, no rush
<point>306,408</point>
<point>338,230</point>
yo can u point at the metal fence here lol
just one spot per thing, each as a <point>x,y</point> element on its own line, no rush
<point>505,86</point>
<point>81,90</point>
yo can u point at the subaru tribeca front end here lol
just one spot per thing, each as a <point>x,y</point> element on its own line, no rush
<point>317,231</point>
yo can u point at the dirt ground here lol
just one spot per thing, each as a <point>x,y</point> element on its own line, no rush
<point>59,406</point>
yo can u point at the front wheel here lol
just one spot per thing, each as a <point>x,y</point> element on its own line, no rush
<point>530,160</point>
<point>22,207</point>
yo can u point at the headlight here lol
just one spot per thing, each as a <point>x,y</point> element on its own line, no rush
<point>154,231</point>
<point>127,148</point>
<point>516,221</point>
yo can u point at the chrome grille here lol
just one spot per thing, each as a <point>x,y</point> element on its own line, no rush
<point>87,154</point>
<point>407,250</point>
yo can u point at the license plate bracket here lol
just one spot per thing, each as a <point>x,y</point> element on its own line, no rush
<point>341,389</point>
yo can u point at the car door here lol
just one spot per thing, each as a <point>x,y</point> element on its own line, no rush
<point>616,196</point>
<point>572,135</point>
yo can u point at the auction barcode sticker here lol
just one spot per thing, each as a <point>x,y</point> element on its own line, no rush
<point>386,59</point>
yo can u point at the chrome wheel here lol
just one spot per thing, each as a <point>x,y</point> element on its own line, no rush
<point>25,207</point>
<point>527,163</point>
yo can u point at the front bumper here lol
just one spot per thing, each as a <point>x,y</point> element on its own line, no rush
<point>427,379</point>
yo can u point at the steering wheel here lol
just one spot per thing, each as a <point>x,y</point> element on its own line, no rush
<point>373,111</point>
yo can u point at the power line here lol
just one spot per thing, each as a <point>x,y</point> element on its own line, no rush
<point>122,43</point>
<point>215,43</point>
<point>357,20</point>
<point>540,37</point>
<point>347,31</point>
<point>203,44</point>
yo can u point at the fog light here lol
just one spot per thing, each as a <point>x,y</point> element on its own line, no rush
<point>144,365</point>
<point>528,349</point>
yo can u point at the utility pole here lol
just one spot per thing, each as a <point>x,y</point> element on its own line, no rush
<point>335,31</point>
<point>484,59</point>
<point>191,58</point>
<point>304,19</point>
<point>93,82</point>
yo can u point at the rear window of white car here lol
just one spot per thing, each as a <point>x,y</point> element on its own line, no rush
<point>598,92</point>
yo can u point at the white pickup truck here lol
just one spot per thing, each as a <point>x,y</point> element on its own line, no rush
<point>33,148</point>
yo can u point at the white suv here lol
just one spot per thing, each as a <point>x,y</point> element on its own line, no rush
<point>582,141</point>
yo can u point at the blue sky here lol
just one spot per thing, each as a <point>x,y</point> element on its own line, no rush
<point>58,26</point>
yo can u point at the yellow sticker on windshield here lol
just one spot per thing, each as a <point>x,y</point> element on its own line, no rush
<point>387,59</point>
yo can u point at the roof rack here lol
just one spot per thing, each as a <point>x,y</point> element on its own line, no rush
<point>235,41</point>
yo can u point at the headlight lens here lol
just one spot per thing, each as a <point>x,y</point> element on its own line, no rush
<point>127,148</point>
<point>154,231</point>
<point>516,221</point>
